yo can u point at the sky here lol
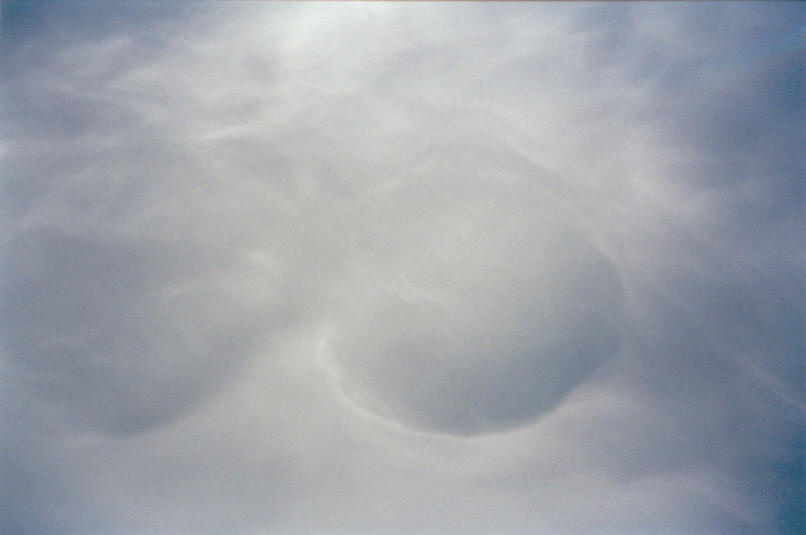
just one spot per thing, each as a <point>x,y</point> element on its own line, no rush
<point>392,268</point>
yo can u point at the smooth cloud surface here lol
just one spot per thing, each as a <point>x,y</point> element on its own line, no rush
<point>402,268</point>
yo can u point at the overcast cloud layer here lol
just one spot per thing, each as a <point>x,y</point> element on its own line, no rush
<point>378,268</point>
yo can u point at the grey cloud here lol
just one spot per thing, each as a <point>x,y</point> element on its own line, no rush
<point>471,344</point>
<point>130,333</point>
<point>402,268</point>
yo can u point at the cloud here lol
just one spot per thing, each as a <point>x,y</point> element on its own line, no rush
<point>129,332</point>
<point>402,268</point>
<point>492,314</point>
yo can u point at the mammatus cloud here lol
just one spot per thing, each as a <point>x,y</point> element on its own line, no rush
<point>387,268</point>
<point>489,318</point>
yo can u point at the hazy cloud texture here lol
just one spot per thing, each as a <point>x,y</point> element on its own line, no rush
<point>360,268</point>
